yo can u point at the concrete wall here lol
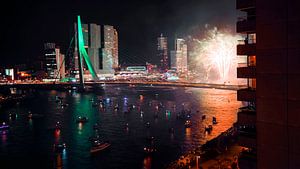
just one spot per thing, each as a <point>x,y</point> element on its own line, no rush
<point>278,84</point>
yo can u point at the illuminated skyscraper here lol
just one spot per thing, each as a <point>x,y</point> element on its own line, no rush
<point>109,49</point>
<point>179,56</point>
<point>162,52</point>
<point>101,44</point>
<point>55,61</point>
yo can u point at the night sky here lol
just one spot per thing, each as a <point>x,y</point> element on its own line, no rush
<point>27,25</point>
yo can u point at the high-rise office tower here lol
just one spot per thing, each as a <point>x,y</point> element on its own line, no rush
<point>50,60</point>
<point>55,61</point>
<point>162,52</point>
<point>62,66</point>
<point>109,49</point>
<point>101,43</point>
<point>272,46</point>
<point>179,56</point>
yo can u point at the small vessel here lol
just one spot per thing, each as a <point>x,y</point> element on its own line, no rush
<point>63,105</point>
<point>59,147</point>
<point>82,119</point>
<point>94,138</point>
<point>149,150</point>
<point>147,124</point>
<point>208,129</point>
<point>187,124</point>
<point>214,120</point>
<point>4,126</point>
<point>99,146</point>
<point>58,126</point>
<point>13,115</point>
<point>188,116</point>
<point>116,108</point>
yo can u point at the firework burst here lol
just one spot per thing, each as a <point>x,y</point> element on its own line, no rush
<point>214,56</point>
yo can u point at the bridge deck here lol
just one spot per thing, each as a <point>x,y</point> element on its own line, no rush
<point>59,85</point>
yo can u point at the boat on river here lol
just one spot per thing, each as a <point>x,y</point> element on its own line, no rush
<point>4,126</point>
<point>82,120</point>
<point>99,146</point>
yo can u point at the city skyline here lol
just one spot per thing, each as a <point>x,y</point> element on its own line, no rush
<point>101,43</point>
<point>33,24</point>
<point>150,84</point>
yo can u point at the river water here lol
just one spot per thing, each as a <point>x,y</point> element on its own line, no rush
<point>29,142</point>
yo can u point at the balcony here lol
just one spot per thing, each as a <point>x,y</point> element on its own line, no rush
<point>246,72</point>
<point>245,25</point>
<point>245,141</point>
<point>247,94</point>
<point>243,5</point>
<point>246,49</point>
<point>246,116</point>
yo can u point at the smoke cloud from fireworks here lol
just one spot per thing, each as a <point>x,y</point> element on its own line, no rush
<point>213,57</point>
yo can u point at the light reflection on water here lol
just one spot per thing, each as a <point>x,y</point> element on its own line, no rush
<point>128,132</point>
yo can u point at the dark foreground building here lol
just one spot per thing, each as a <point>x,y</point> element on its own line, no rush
<point>274,60</point>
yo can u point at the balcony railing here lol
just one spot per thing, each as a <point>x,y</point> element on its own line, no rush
<point>246,49</point>
<point>249,142</point>
<point>247,137</point>
<point>247,94</point>
<point>246,116</point>
<point>245,25</point>
<point>245,4</point>
<point>246,72</point>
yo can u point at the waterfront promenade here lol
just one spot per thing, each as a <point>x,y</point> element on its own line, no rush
<point>219,153</point>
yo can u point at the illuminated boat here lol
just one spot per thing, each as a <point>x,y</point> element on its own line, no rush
<point>58,126</point>
<point>82,119</point>
<point>59,147</point>
<point>95,104</point>
<point>116,107</point>
<point>99,146</point>
<point>214,120</point>
<point>187,124</point>
<point>147,124</point>
<point>94,138</point>
<point>13,115</point>
<point>149,150</point>
<point>4,126</point>
<point>63,105</point>
<point>208,129</point>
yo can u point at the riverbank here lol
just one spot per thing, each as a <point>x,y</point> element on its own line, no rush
<point>220,152</point>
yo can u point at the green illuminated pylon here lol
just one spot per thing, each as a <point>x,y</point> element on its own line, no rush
<point>82,51</point>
